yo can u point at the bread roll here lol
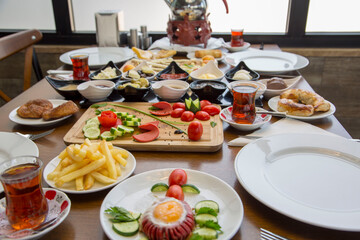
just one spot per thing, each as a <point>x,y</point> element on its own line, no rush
<point>216,53</point>
<point>293,108</point>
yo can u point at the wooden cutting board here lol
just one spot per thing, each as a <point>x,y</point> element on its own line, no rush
<point>210,141</point>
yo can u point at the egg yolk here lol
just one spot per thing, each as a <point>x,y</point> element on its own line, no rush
<point>168,211</point>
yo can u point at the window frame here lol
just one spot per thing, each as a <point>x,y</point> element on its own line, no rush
<point>294,37</point>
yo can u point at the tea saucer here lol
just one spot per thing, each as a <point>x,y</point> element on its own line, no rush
<point>59,208</point>
<point>260,120</point>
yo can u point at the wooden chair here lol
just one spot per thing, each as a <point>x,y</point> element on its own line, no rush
<point>17,42</point>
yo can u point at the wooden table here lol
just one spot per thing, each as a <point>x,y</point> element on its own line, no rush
<point>83,221</point>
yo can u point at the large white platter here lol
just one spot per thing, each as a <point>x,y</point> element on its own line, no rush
<point>273,103</point>
<point>309,177</point>
<point>134,194</point>
<point>100,56</point>
<point>37,122</point>
<point>268,61</point>
<point>69,187</point>
<point>13,145</point>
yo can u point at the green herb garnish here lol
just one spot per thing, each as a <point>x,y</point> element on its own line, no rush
<point>207,210</point>
<point>213,124</point>
<point>119,214</point>
<point>212,224</point>
<point>97,105</point>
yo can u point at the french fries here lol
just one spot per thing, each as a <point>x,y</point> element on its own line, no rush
<point>89,162</point>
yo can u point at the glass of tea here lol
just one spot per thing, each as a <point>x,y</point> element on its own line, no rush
<point>237,39</point>
<point>80,64</point>
<point>244,111</point>
<point>26,205</point>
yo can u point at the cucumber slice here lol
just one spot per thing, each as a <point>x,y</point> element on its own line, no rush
<point>202,218</point>
<point>207,203</point>
<point>189,188</point>
<point>93,120</point>
<point>116,132</point>
<point>131,123</point>
<point>135,119</point>
<point>125,129</point>
<point>136,215</point>
<point>90,125</point>
<point>159,187</point>
<point>207,233</point>
<point>126,228</point>
<point>92,132</point>
<point>108,136</point>
<point>121,114</point>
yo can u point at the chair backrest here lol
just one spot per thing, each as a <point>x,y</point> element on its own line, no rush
<point>17,42</point>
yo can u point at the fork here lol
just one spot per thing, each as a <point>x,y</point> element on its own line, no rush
<point>36,136</point>
<point>267,235</point>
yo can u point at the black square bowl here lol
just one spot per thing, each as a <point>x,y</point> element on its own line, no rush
<point>208,89</point>
<point>241,66</point>
<point>173,67</point>
<point>131,93</point>
<point>60,86</point>
<point>112,65</point>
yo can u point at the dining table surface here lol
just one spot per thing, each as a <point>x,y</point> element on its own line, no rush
<point>83,221</point>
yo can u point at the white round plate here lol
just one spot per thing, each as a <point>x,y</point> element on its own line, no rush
<point>260,119</point>
<point>69,187</point>
<point>37,122</point>
<point>134,195</point>
<point>228,46</point>
<point>191,55</point>
<point>273,102</point>
<point>13,145</point>
<point>268,61</point>
<point>59,208</point>
<point>100,56</point>
<point>312,178</point>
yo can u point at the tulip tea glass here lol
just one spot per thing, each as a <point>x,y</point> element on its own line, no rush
<point>244,111</point>
<point>80,64</point>
<point>237,37</point>
<point>26,205</point>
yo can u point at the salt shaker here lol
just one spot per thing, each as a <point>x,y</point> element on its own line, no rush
<point>133,38</point>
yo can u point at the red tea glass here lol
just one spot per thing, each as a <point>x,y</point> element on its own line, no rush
<point>80,64</point>
<point>26,205</point>
<point>237,37</point>
<point>244,111</point>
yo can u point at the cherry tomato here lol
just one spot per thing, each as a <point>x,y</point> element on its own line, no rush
<point>202,115</point>
<point>195,130</point>
<point>177,112</point>
<point>178,105</point>
<point>175,191</point>
<point>211,109</point>
<point>177,177</point>
<point>187,116</point>
<point>108,118</point>
<point>204,103</point>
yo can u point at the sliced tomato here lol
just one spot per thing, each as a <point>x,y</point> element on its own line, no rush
<point>187,116</point>
<point>177,177</point>
<point>202,115</point>
<point>176,113</point>
<point>211,109</point>
<point>104,129</point>
<point>178,105</point>
<point>175,191</point>
<point>204,103</point>
<point>107,118</point>
<point>195,130</point>
<point>165,108</point>
<point>150,135</point>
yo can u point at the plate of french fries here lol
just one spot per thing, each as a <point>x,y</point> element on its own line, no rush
<point>89,167</point>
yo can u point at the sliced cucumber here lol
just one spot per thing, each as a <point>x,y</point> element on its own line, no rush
<point>90,125</point>
<point>159,187</point>
<point>189,188</point>
<point>207,203</point>
<point>131,123</point>
<point>92,132</point>
<point>122,114</point>
<point>108,136</point>
<point>93,120</point>
<point>135,119</point>
<point>126,228</point>
<point>136,215</point>
<point>202,218</point>
<point>207,233</point>
<point>116,132</point>
<point>125,129</point>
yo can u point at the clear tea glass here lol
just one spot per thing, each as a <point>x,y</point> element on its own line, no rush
<point>26,205</point>
<point>237,37</point>
<point>80,64</point>
<point>244,111</point>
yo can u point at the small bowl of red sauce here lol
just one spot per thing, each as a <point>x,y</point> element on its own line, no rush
<point>172,72</point>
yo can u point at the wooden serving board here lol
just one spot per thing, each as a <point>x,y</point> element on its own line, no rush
<point>210,141</point>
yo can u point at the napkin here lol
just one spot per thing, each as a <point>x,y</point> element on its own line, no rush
<point>164,43</point>
<point>285,125</point>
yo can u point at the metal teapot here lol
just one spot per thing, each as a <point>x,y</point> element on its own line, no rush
<point>194,9</point>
